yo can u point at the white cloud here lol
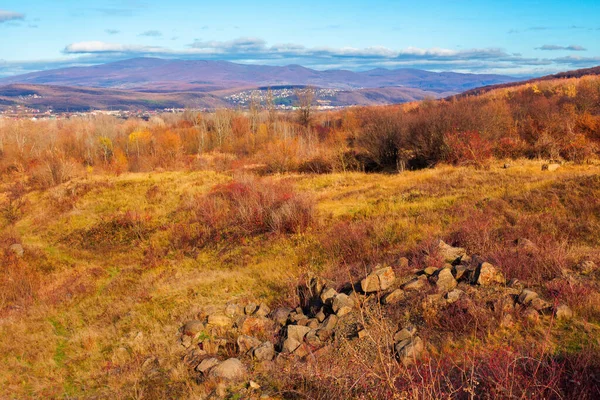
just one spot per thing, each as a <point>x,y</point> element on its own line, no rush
<point>10,16</point>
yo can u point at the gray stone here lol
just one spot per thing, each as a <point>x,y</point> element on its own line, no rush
<point>486,275</point>
<point>411,352</point>
<point>313,323</point>
<point>563,312</point>
<point>192,328</point>
<point>264,352</point>
<point>290,345</point>
<point>527,296</point>
<point>246,343</point>
<point>330,322</point>
<point>207,364</point>
<point>342,304</point>
<point>262,311</point>
<point>450,253</point>
<point>220,320</point>
<point>386,276</point>
<point>454,295</point>
<point>320,316</point>
<point>233,310</point>
<point>297,332</point>
<point>231,369</point>
<point>281,315</point>
<point>415,284</point>
<point>250,309</point>
<point>394,297</point>
<point>328,295</point>
<point>405,334</point>
<point>445,281</point>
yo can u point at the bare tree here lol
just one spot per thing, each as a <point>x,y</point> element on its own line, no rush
<point>305,98</point>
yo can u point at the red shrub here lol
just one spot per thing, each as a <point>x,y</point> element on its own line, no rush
<point>467,148</point>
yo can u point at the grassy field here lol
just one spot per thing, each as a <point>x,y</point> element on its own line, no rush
<point>103,285</point>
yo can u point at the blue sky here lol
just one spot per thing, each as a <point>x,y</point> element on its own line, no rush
<point>508,37</point>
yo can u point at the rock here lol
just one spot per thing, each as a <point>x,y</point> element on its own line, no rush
<point>290,345</point>
<point>587,267</point>
<point>207,364</point>
<point>410,352</point>
<point>313,323</point>
<point>362,333</point>
<point>233,310</point>
<point>532,315</point>
<point>192,328</point>
<point>429,271</point>
<point>16,249</point>
<point>330,322</point>
<point>186,341</point>
<point>506,166</point>
<point>445,281</point>
<point>256,325</point>
<point>302,351</point>
<point>324,334</point>
<point>303,322</point>
<point>486,275</point>
<point>394,297</point>
<point>563,312</point>
<point>264,352</point>
<point>253,385</point>
<point>405,334</point>
<point>250,309</point>
<point>403,263</point>
<point>262,311</point>
<point>415,284</point>
<point>380,279</point>
<point>370,284</point>
<point>541,305</point>
<point>527,296</point>
<point>312,338</point>
<point>550,167</point>
<point>454,295</point>
<point>246,343</point>
<point>212,346</point>
<point>220,320</point>
<point>515,284</point>
<point>450,253</point>
<point>231,369</point>
<point>297,332</point>
<point>342,304</point>
<point>281,315</point>
<point>328,295</point>
<point>320,316</point>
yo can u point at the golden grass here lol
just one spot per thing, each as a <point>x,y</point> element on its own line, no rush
<point>91,304</point>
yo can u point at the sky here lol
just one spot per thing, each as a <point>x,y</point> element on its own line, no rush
<point>509,37</point>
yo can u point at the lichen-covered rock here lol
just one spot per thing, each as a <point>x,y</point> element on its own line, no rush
<point>297,332</point>
<point>281,315</point>
<point>262,311</point>
<point>220,320</point>
<point>486,275</point>
<point>256,326</point>
<point>454,295</point>
<point>342,304</point>
<point>246,343</point>
<point>416,284</point>
<point>445,280</point>
<point>207,364</point>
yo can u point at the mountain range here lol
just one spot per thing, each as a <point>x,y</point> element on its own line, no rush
<point>190,83</point>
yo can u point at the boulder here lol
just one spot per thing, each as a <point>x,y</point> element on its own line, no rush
<point>541,305</point>
<point>563,312</point>
<point>380,279</point>
<point>450,253</point>
<point>281,315</point>
<point>207,364</point>
<point>297,332</point>
<point>409,352</point>
<point>527,296</point>
<point>405,334</point>
<point>394,297</point>
<point>486,275</point>
<point>246,343</point>
<point>264,352</point>
<point>370,284</point>
<point>454,295</point>
<point>445,280</point>
<point>429,271</point>
<point>231,369</point>
<point>461,273</point>
<point>415,284</point>
<point>250,309</point>
<point>220,320</point>
<point>262,311</point>
<point>342,304</point>
<point>256,325</point>
<point>320,316</point>
<point>192,328</point>
<point>313,339</point>
<point>330,322</point>
<point>313,323</point>
<point>290,345</point>
<point>233,310</point>
<point>550,167</point>
<point>327,295</point>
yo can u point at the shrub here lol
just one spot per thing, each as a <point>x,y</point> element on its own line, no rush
<point>242,208</point>
<point>467,148</point>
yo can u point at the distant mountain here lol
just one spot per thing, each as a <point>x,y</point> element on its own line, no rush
<point>154,75</point>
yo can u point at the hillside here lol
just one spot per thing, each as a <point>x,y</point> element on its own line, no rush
<point>182,75</point>
<point>430,250</point>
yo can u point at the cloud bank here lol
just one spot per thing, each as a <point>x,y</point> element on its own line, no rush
<point>6,16</point>
<point>552,47</point>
